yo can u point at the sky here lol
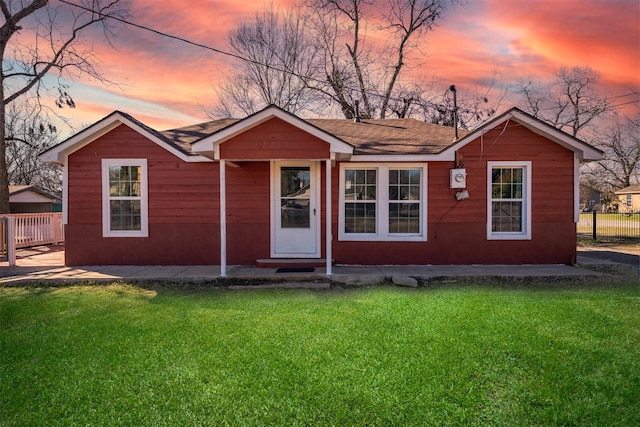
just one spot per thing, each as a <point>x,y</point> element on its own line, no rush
<point>166,83</point>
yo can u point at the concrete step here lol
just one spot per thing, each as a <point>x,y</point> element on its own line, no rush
<point>291,262</point>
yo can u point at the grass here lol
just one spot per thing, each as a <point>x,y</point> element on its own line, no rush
<point>458,355</point>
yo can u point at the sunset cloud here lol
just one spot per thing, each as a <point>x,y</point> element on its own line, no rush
<point>166,82</point>
<point>604,35</point>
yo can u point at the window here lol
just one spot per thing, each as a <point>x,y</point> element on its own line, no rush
<point>628,200</point>
<point>509,199</point>
<point>382,202</point>
<point>404,201</point>
<point>360,191</point>
<point>124,198</point>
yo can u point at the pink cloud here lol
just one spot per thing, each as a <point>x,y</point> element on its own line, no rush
<point>599,34</point>
<point>471,44</point>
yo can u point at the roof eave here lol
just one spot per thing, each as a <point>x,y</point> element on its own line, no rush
<point>582,150</point>
<point>212,142</point>
<point>405,157</point>
<point>59,153</point>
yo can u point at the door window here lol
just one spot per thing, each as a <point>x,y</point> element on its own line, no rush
<point>295,195</point>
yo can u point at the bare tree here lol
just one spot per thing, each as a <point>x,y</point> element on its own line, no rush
<point>321,57</point>
<point>356,69</point>
<point>279,61</point>
<point>28,133</point>
<point>338,26</point>
<point>408,21</point>
<point>472,108</point>
<point>37,40</point>
<point>570,103</point>
<point>620,165</point>
<point>574,103</point>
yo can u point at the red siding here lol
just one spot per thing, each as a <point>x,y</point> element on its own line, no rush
<point>274,139</point>
<point>183,207</point>
<point>248,207</point>
<point>184,217</point>
<point>457,230</point>
<point>184,204</point>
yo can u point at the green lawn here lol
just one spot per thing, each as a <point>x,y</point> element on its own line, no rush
<point>458,355</point>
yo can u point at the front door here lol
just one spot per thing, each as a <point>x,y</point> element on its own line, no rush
<point>295,210</point>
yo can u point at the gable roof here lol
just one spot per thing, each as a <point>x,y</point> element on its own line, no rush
<point>185,136</point>
<point>632,189</point>
<point>211,143</point>
<point>368,137</point>
<point>15,190</point>
<point>390,136</point>
<point>583,150</point>
<point>386,139</point>
<point>58,152</point>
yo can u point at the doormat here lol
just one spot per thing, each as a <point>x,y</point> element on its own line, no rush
<point>295,270</point>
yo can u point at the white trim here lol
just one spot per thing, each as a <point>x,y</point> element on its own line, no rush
<point>526,199</point>
<point>382,203</point>
<point>65,192</point>
<point>212,143</point>
<point>448,156</point>
<point>328,232</point>
<point>11,242</point>
<point>144,199</point>
<point>272,214</point>
<point>583,150</point>
<point>223,220</point>
<point>60,152</point>
<point>576,189</point>
<point>315,207</point>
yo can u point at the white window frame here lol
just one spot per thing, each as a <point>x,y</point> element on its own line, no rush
<point>382,203</point>
<point>144,199</point>
<point>525,234</point>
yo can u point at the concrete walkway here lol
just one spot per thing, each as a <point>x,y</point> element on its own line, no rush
<point>45,264</point>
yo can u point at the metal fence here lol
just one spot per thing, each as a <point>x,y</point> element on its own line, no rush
<point>614,227</point>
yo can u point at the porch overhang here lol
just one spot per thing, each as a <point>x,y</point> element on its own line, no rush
<point>211,145</point>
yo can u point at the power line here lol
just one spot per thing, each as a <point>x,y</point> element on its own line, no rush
<point>271,67</point>
<point>213,49</point>
<point>200,45</point>
<point>143,27</point>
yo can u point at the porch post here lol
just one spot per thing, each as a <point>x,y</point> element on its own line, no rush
<point>223,221</point>
<point>11,241</point>
<point>576,189</point>
<point>328,236</point>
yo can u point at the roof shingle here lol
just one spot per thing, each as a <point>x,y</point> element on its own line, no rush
<point>369,137</point>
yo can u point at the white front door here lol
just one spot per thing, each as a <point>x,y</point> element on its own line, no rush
<point>295,209</point>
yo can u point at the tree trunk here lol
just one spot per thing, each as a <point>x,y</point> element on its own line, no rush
<point>9,28</point>
<point>4,173</point>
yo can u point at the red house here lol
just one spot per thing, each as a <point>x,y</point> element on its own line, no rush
<point>272,187</point>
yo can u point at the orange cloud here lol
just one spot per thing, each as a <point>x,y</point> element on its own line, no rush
<point>599,34</point>
<point>166,82</point>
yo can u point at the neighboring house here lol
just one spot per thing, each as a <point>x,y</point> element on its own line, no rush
<point>30,199</point>
<point>256,190</point>
<point>590,199</point>
<point>629,199</point>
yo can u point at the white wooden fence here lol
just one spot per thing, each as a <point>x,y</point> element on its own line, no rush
<point>31,229</point>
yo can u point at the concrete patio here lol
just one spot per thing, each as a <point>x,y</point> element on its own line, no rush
<point>46,264</point>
